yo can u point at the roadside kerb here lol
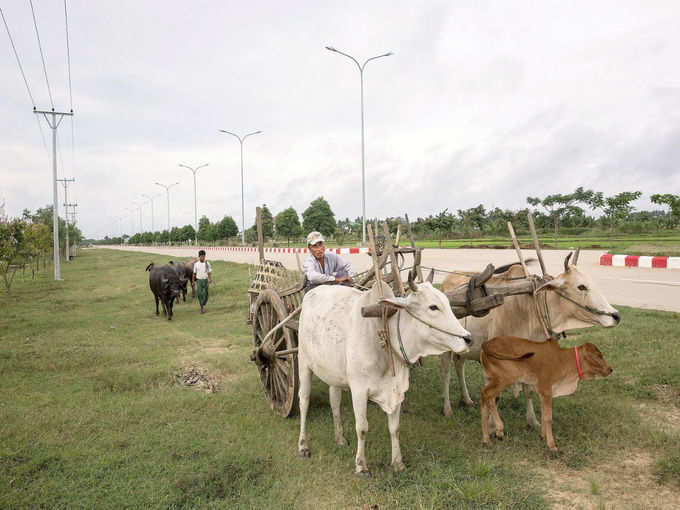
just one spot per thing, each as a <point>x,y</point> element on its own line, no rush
<point>644,261</point>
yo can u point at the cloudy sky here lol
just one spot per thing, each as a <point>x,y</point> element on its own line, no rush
<point>482,102</point>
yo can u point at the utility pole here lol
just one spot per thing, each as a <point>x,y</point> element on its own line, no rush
<point>65,182</point>
<point>53,119</point>
<point>73,222</point>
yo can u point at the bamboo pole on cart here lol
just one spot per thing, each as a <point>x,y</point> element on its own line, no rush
<point>260,236</point>
<point>517,249</point>
<point>384,334</point>
<point>537,246</point>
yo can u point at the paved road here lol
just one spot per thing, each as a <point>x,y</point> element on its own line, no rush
<point>643,288</point>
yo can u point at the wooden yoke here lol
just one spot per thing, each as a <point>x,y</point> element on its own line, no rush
<point>384,333</point>
<point>417,253</point>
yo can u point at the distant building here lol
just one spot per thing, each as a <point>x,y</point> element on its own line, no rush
<point>3,216</point>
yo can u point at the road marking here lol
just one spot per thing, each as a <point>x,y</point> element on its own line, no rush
<point>653,282</point>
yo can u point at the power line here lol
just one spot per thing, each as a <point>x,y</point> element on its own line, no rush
<point>70,90</point>
<point>18,59</point>
<point>42,56</point>
<point>23,75</point>
<point>68,57</point>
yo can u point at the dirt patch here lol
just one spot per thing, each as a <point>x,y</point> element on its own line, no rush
<point>196,377</point>
<point>626,481</point>
<point>664,413</point>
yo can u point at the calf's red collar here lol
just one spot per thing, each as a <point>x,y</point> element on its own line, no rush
<point>578,363</point>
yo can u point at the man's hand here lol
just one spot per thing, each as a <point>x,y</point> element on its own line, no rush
<point>343,279</point>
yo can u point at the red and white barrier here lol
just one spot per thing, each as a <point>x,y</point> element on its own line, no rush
<point>339,251</point>
<point>607,259</point>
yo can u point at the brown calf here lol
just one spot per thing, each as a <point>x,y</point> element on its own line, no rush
<point>554,372</point>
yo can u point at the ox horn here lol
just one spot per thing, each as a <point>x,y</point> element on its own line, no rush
<point>578,251</point>
<point>411,283</point>
<point>566,261</point>
<point>430,277</point>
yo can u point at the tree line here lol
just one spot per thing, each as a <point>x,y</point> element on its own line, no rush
<point>28,241</point>
<point>575,213</point>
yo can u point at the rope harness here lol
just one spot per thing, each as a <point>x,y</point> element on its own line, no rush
<point>543,311</point>
<point>401,343</point>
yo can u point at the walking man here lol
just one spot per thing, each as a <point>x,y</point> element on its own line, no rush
<point>322,267</point>
<point>202,275</point>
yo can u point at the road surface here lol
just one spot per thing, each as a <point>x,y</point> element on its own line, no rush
<point>657,289</point>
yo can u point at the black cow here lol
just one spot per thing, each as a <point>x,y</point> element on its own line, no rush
<point>183,275</point>
<point>165,285</point>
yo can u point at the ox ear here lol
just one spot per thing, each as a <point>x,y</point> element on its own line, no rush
<point>397,302</point>
<point>555,283</point>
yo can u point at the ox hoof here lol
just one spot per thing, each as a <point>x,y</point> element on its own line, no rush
<point>363,474</point>
<point>499,435</point>
<point>448,412</point>
<point>304,453</point>
<point>466,403</point>
<point>398,466</point>
<point>341,442</point>
<point>486,443</point>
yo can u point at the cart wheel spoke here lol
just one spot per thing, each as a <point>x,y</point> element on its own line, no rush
<point>279,376</point>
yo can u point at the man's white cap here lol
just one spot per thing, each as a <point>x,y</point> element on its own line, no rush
<point>314,237</point>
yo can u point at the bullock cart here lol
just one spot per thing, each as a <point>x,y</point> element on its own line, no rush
<point>275,298</point>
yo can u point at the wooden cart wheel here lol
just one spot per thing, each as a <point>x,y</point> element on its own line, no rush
<point>278,373</point>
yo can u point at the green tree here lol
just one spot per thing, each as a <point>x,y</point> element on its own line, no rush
<point>11,244</point>
<point>204,229</point>
<point>616,207</point>
<point>267,223</point>
<point>441,224</point>
<point>319,216</point>
<point>226,228</point>
<point>559,205</point>
<point>188,233</point>
<point>673,203</point>
<point>288,224</point>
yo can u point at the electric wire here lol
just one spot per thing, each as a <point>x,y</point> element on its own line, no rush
<point>42,55</point>
<point>23,75</point>
<point>16,54</point>
<point>70,90</point>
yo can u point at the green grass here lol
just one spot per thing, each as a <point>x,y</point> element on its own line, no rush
<point>93,415</point>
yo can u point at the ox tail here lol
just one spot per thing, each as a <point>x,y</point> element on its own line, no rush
<point>149,267</point>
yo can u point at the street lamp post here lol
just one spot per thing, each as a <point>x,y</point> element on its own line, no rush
<point>167,190</point>
<point>150,199</point>
<point>243,210</point>
<point>193,171</point>
<point>138,206</point>
<point>363,159</point>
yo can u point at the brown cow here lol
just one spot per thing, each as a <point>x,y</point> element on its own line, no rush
<point>554,372</point>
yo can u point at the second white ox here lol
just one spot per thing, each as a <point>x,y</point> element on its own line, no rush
<point>341,347</point>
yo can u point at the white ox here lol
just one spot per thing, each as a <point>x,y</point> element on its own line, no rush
<point>571,300</point>
<point>341,347</point>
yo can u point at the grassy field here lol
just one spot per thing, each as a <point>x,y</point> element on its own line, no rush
<point>96,413</point>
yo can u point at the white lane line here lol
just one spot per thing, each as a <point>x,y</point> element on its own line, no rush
<point>653,282</point>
